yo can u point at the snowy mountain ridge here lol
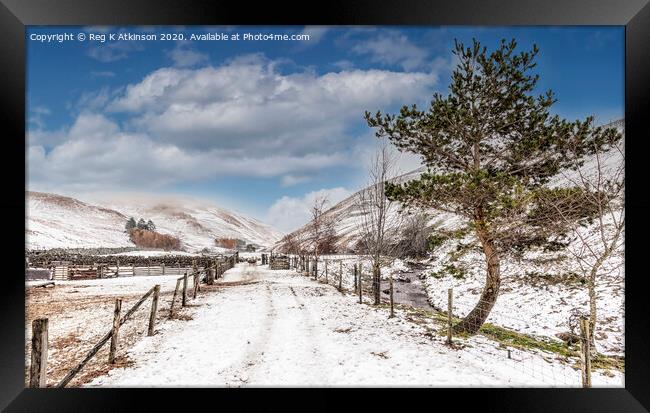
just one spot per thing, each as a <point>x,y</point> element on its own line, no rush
<point>56,221</point>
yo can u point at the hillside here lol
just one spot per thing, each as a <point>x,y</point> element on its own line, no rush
<point>55,221</point>
<point>540,289</point>
<point>346,214</point>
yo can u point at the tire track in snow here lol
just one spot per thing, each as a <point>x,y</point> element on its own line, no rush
<point>238,373</point>
<point>295,362</point>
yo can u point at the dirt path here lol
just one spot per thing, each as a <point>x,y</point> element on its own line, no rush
<point>277,328</point>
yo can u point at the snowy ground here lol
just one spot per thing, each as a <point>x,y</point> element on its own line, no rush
<point>532,304</point>
<point>80,312</point>
<point>277,328</point>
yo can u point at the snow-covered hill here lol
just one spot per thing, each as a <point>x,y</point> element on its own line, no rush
<point>540,290</point>
<point>55,221</point>
<point>346,215</point>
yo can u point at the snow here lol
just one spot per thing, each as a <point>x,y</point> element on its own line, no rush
<point>529,301</point>
<point>55,221</point>
<point>277,328</point>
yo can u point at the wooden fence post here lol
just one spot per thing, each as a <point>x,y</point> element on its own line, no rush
<point>132,269</point>
<point>355,278</point>
<point>154,309</point>
<point>450,301</point>
<point>360,284</point>
<point>117,270</point>
<point>341,275</point>
<point>209,276</point>
<point>38,366</point>
<point>392,310</point>
<point>163,268</point>
<point>585,355</point>
<point>184,298</point>
<point>171,307</point>
<point>116,328</point>
<point>326,272</point>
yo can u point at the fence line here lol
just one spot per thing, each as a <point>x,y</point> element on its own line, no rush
<point>38,366</point>
<point>349,274</point>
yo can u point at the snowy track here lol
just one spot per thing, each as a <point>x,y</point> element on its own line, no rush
<point>278,328</point>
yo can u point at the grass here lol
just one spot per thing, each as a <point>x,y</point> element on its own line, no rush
<point>508,337</point>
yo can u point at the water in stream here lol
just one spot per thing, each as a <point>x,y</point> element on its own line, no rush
<point>411,292</point>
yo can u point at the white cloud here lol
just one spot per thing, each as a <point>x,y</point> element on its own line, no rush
<point>247,104</point>
<point>316,34</point>
<point>112,52</point>
<point>36,115</point>
<point>291,180</point>
<point>95,153</point>
<point>244,118</point>
<point>290,213</point>
<point>343,64</point>
<point>392,48</point>
<point>105,73</point>
<point>183,55</point>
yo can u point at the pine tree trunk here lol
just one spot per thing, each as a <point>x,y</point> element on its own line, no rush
<point>475,319</point>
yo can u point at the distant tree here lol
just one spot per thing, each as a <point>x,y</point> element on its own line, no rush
<point>414,236</point>
<point>142,224</point>
<point>490,145</point>
<point>250,248</point>
<point>319,225</point>
<point>328,238</point>
<point>130,224</point>
<point>379,219</point>
<point>229,243</point>
<point>151,226</point>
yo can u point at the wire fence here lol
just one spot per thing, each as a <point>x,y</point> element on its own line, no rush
<point>43,371</point>
<point>556,358</point>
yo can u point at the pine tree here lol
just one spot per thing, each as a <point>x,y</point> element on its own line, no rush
<point>130,224</point>
<point>490,146</point>
<point>151,226</point>
<point>142,224</point>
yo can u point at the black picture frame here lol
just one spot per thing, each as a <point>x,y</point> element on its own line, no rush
<point>634,15</point>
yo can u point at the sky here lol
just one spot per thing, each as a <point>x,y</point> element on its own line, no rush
<point>258,126</point>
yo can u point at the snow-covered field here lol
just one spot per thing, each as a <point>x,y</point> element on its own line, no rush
<point>80,312</point>
<point>278,328</point>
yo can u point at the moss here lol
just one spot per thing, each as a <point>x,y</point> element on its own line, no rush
<point>506,337</point>
<point>449,269</point>
<point>525,341</point>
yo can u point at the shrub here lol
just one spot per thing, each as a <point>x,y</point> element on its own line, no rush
<point>152,239</point>
<point>230,243</point>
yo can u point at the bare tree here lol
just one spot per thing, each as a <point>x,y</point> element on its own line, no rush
<point>379,218</point>
<point>289,244</point>
<point>599,237</point>
<point>319,227</point>
<point>414,241</point>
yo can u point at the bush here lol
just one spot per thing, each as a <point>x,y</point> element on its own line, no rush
<point>152,239</point>
<point>230,243</point>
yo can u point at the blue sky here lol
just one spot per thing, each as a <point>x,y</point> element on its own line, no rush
<point>263,126</point>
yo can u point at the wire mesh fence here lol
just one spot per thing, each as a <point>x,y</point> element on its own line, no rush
<point>557,358</point>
